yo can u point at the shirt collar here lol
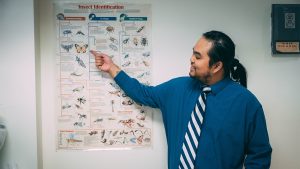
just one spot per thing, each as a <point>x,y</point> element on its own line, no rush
<point>217,87</point>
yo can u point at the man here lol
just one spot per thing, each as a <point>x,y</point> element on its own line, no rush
<point>233,131</point>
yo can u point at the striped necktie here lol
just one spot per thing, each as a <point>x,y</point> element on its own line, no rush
<point>190,143</point>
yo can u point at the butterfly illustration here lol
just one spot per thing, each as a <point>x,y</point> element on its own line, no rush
<point>81,48</point>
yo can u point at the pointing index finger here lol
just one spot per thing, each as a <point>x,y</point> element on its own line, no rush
<point>95,53</point>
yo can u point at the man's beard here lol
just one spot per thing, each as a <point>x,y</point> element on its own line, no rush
<point>204,78</point>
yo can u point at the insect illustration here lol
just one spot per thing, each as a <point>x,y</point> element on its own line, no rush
<point>104,140</point>
<point>133,140</point>
<point>135,41</point>
<point>146,54</point>
<point>140,139</point>
<point>111,142</point>
<point>80,62</point>
<point>143,74</point>
<point>141,125</point>
<point>146,132</point>
<point>117,93</point>
<point>82,116</point>
<point>81,48</point>
<point>67,32</point>
<point>141,117</point>
<point>67,47</point>
<point>80,124</point>
<point>114,85</point>
<point>113,47</point>
<point>126,64</point>
<point>78,89</point>
<point>77,73</point>
<point>80,33</point>
<point>124,95</point>
<point>110,29</point>
<point>115,133</point>
<point>146,63</point>
<point>125,41</point>
<point>123,132</point>
<point>78,106</point>
<point>128,102</point>
<point>102,134</point>
<point>140,29</point>
<point>128,123</point>
<point>93,133</point>
<point>144,41</point>
<point>113,40</point>
<point>112,105</point>
<point>66,106</point>
<point>126,56</point>
<point>147,140</point>
<point>81,100</point>
<point>98,120</point>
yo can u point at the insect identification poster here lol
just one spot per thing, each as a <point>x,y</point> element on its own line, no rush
<point>93,112</point>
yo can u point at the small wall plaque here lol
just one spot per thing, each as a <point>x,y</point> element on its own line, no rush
<point>285,28</point>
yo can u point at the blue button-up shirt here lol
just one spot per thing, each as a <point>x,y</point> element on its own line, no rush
<point>234,132</point>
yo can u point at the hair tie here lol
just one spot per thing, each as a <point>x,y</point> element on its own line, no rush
<point>235,62</point>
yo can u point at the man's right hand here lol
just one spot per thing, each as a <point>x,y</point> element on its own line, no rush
<point>104,63</point>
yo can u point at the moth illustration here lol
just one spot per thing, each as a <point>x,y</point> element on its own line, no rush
<point>67,32</point>
<point>81,48</point>
<point>67,47</point>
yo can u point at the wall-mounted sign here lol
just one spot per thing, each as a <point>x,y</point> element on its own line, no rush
<point>285,28</point>
<point>92,111</point>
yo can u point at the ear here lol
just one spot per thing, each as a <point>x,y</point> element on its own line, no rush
<point>217,67</point>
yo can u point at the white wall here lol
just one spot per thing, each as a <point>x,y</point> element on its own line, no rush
<point>17,86</point>
<point>177,25</point>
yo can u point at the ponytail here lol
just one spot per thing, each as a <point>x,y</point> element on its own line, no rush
<point>223,49</point>
<point>238,72</point>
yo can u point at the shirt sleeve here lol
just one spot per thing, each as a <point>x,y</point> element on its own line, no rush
<point>146,95</point>
<point>258,150</point>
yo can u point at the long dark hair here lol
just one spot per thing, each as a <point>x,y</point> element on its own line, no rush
<point>223,49</point>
